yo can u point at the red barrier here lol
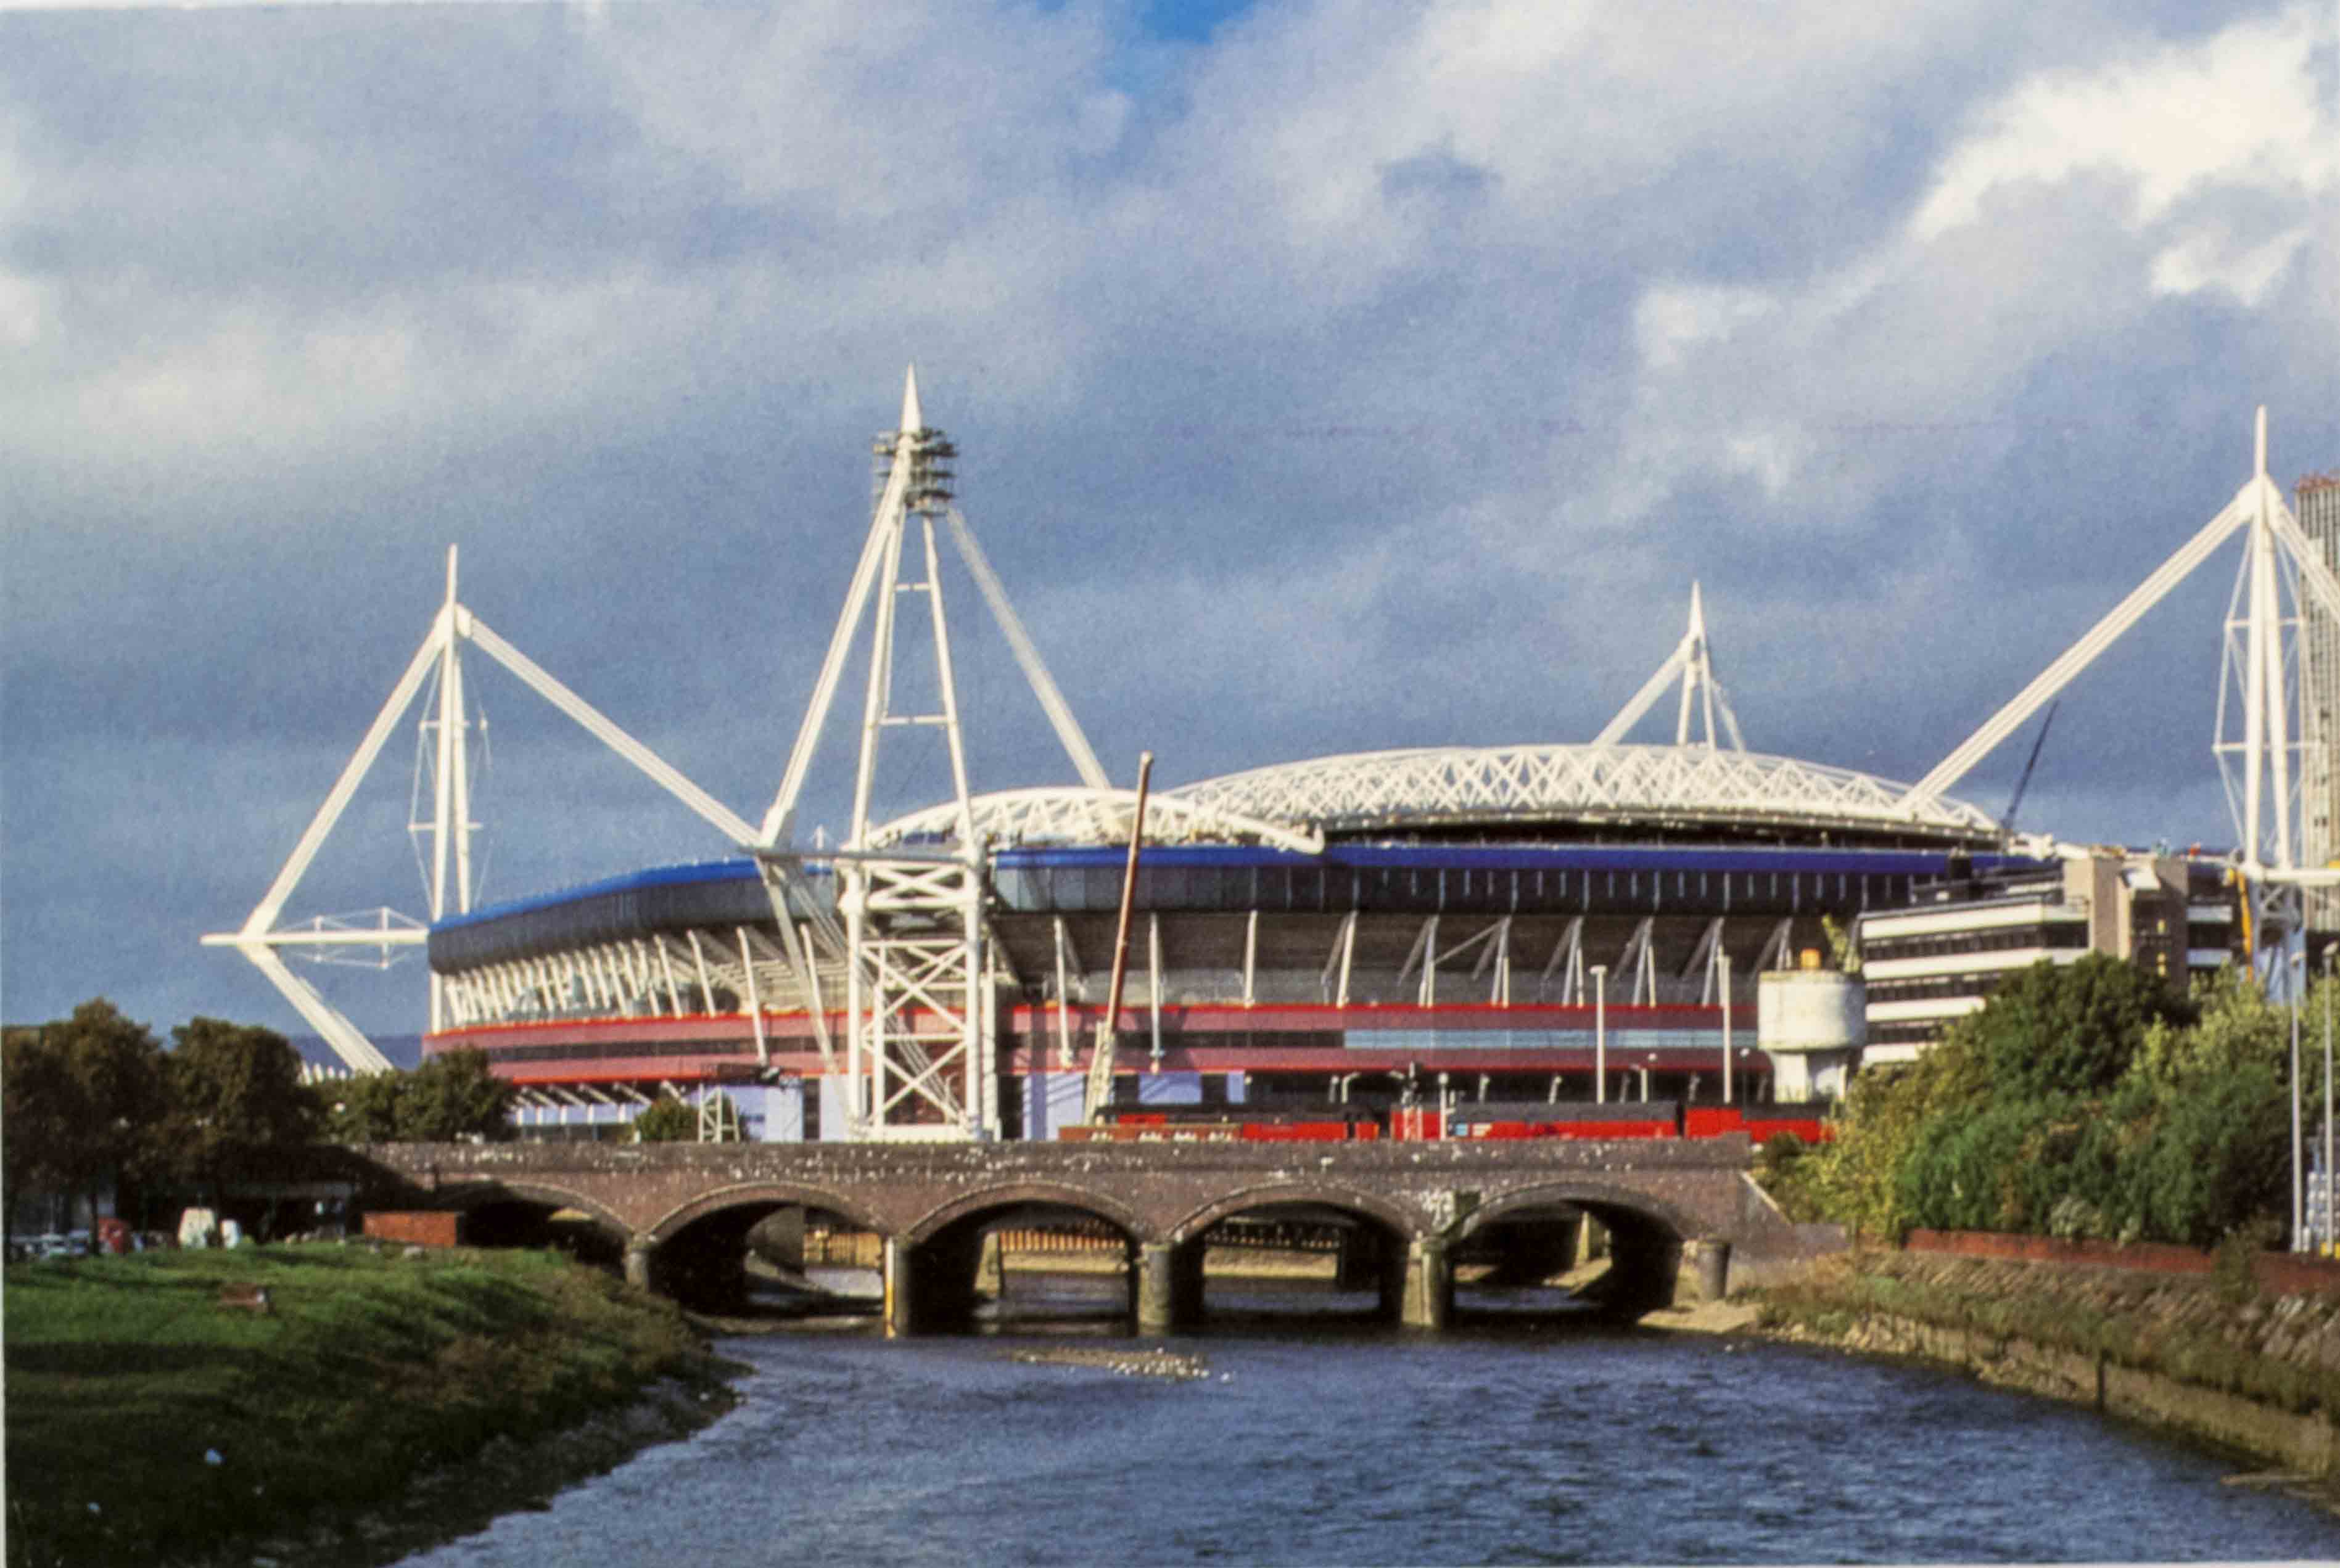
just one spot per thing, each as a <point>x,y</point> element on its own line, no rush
<point>2278,1273</point>
<point>1811,1129</point>
<point>1295,1132</point>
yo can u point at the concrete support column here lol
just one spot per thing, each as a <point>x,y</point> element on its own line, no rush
<point>900,1297</point>
<point>638,1264</point>
<point>1157,1289</point>
<point>1429,1285</point>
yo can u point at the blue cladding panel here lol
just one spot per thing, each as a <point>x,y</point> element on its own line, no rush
<point>833,1108</point>
<point>784,1111</point>
<point>1169,1089</point>
<point>1063,1102</point>
<point>665,898</point>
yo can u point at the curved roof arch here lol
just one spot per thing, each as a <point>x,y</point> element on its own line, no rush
<point>1293,805</point>
<point>1461,785</point>
<point>1075,816</point>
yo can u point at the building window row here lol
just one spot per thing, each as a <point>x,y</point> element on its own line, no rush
<point>2059,935</point>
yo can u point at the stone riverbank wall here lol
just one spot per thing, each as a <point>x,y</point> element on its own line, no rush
<point>2239,1350</point>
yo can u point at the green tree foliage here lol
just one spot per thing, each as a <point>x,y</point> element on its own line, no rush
<point>82,1098</point>
<point>38,1102</point>
<point>450,1097</point>
<point>2219,1155</point>
<point>2069,1028</point>
<point>237,1101</point>
<point>668,1122</point>
<point>2081,1101</point>
<point>363,1109</point>
<point>1858,1176</point>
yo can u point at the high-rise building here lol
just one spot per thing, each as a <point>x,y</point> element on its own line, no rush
<point>2319,699</point>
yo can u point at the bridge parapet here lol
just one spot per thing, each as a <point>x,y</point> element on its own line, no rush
<point>1157,1192</point>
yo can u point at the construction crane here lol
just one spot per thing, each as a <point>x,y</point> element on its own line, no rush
<point>2007,817</point>
<point>1101,1059</point>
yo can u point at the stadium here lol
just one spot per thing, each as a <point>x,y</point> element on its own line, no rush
<point>1354,939</point>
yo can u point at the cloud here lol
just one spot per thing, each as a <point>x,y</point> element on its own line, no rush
<point>2168,121</point>
<point>1337,376</point>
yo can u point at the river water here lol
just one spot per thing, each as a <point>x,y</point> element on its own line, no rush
<point>1528,1439</point>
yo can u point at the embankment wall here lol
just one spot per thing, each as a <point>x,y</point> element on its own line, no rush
<point>2160,1335</point>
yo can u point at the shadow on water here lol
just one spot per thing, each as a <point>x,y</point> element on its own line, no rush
<point>1041,1303</point>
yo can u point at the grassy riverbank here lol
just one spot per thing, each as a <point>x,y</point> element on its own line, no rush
<point>2281,1351</point>
<point>2210,1355</point>
<point>150,1419</point>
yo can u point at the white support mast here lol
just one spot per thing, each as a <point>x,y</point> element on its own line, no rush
<point>1702,691</point>
<point>448,882</point>
<point>2257,694</point>
<point>2257,506</point>
<point>918,998</point>
<point>921,1031</point>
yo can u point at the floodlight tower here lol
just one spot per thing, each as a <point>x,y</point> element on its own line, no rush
<point>920,977</point>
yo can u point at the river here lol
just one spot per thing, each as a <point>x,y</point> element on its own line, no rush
<point>1532,1440</point>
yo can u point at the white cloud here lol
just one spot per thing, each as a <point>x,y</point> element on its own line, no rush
<point>1670,321</point>
<point>1370,374</point>
<point>2240,109</point>
<point>2215,259</point>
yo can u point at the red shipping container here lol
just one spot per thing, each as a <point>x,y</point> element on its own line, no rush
<point>416,1228</point>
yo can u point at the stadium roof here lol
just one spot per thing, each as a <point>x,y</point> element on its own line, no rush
<point>1293,804</point>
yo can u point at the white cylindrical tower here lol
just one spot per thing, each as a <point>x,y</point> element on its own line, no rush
<point>1812,1022</point>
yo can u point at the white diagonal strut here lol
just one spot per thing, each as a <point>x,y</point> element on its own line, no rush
<point>2081,653</point>
<point>1036,670</point>
<point>722,818</point>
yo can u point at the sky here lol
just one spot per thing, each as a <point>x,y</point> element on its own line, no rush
<point>1326,377</point>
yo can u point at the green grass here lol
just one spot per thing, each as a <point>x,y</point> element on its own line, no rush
<point>2204,1354</point>
<point>124,1373</point>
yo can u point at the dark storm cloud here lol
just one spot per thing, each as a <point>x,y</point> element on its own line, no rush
<point>1326,378</point>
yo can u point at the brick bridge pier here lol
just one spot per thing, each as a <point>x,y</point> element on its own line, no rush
<point>931,1203</point>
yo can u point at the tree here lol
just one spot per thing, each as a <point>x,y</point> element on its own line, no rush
<point>237,1101</point>
<point>2070,1028</point>
<point>455,1096</point>
<point>2235,1028</point>
<point>364,1110</point>
<point>42,1108</point>
<point>117,1067</point>
<point>448,1098</point>
<point>2081,1100</point>
<point>668,1122</point>
<point>83,1095</point>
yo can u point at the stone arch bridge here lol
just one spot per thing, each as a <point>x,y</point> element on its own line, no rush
<point>930,1202</point>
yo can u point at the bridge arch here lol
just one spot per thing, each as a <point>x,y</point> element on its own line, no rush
<point>1403,1221</point>
<point>483,1192</point>
<point>1576,1193</point>
<point>1646,1237</point>
<point>1008,1195</point>
<point>741,1195</point>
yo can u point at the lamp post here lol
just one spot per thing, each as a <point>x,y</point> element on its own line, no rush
<point>2298,1191</point>
<point>1725,960</point>
<point>1601,1034</point>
